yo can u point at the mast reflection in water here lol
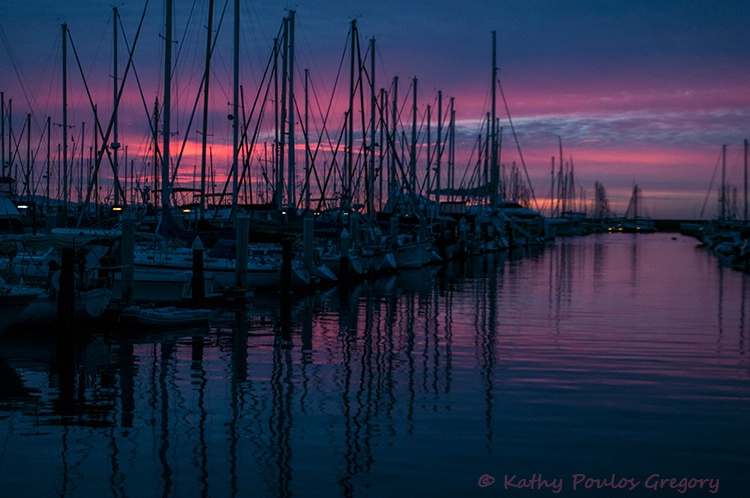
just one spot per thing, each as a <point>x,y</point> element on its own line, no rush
<point>602,355</point>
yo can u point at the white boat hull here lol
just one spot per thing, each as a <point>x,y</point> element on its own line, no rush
<point>155,285</point>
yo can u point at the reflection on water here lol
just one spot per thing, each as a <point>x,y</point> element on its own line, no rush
<point>603,355</point>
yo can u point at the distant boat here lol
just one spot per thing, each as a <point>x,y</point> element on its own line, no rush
<point>633,221</point>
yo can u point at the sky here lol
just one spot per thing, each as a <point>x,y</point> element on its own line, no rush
<point>637,92</point>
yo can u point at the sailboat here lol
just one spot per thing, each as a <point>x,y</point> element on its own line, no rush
<point>634,222</point>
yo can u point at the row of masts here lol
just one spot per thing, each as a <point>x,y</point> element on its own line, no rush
<point>728,196</point>
<point>380,150</point>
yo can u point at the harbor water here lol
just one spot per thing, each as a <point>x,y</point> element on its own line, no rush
<point>605,365</point>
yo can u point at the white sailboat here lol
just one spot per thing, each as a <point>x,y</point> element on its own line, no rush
<point>262,273</point>
<point>634,221</point>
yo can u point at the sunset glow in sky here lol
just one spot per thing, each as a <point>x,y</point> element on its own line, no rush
<point>639,92</point>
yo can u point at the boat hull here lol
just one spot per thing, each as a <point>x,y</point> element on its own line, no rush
<point>154,285</point>
<point>13,301</point>
<point>43,310</point>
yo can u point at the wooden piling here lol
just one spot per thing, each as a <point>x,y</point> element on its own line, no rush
<point>462,238</point>
<point>127,257</point>
<point>394,231</point>
<point>287,255</point>
<point>65,347</point>
<point>344,258</point>
<point>242,224</point>
<point>308,239</point>
<point>198,294</point>
<point>66,292</point>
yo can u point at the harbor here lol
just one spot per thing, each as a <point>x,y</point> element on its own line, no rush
<point>354,200</point>
<point>274,251</point>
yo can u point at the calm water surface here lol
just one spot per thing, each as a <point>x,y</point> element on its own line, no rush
<point>602,366</point>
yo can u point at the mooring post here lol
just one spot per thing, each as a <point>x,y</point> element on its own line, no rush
<point>462,233</point>
<point>127,257</point>
<point>241,255</point>
<point>66,293</point>
<point>65,343</point>
<point>308,239</point>
<point>199,282</point>
<point>287,255</point>
<point>394,232</point>
<point>344,258</point>
<point>354,227</point>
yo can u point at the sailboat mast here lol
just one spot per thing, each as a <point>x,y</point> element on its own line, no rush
<point>636,201</point>
<point>155,139</point>
<point>723,199</point>
<point>560,182</point>
<point>276,124</point>
<point>65,118</point>
<point>484,151</point>
<point>115,143</point>
<point>452,148</point>
<point>29,179</point>
<point>2,133</point>
<point>493,132</point>
<point>439,146</point>
<point>429,161</point>
<point>97,159</point>
<point>49,141</point>
<point>235,109</point>
<point>572,187</point>
<point>394,179</point>
<point>165,187</point>
<point>307,142</point>
<point>347,201</point>
<point>383,125</point>
<point>83,156</point>
<point>283,118</point>
<point>290,182</point>
<point>204,138</point>
<point>745,196</point>
<point>413,149</point>
<point>371,172</point>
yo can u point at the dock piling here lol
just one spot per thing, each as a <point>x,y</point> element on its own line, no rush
<point>344,258</point>
<point>199,283</point>
<point>127,257</point>
<point>242,224</point>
